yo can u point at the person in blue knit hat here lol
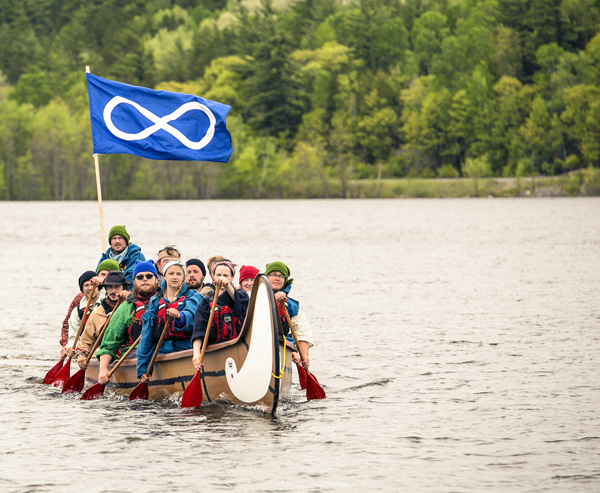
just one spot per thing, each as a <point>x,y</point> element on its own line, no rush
<point>125,253</point>
<point>125,326</point>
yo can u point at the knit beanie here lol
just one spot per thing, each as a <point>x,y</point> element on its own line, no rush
<point>108,264</point>
<point>118,230</point>
<point>279,267</point>
<point>172,263</point>
<point>247,272</point>
<point>199,263</point>
<point>85,277</point>
<point>144,266</point>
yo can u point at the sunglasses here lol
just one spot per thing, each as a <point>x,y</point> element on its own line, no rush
<point>141,277</point>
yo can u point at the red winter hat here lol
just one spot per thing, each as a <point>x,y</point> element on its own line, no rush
<point>247,272</point>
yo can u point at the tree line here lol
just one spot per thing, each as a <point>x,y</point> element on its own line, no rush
<point>323,92</point>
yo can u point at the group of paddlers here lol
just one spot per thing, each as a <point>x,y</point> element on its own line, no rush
<point>128,298</point>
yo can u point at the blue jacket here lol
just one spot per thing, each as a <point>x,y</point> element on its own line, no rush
<point>293,307</point>
<point>128,264</point>
<point>147,344</point>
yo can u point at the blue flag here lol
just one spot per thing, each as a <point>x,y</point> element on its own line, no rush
<point>156,124</point>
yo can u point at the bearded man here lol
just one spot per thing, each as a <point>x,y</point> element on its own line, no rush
<point>195,272</point>
<point>125,325</point>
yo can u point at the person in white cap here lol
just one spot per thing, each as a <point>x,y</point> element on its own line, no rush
<point>176,301</point>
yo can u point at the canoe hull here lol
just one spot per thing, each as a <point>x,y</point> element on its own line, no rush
<point>242,371</point>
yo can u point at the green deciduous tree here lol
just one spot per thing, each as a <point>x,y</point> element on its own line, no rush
<point>581,118</point>
<point>32,88</point>
<point>428,34</point>
<point>16,130</point>
<point>541,135</point>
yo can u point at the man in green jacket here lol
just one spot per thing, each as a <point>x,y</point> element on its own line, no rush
<point>126,323</point>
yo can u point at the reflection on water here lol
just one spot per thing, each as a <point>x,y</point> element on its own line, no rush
<point>456,341</point>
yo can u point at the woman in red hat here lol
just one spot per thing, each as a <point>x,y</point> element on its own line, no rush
<point>247,275</point>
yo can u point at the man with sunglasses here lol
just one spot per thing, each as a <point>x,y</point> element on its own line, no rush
<point>126,323</point>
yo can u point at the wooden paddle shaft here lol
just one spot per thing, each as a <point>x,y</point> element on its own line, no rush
<point>289,321</point>
<point>210,320</point>
<point>83,318</point>
<point>135,343</point>
<point>102,331</point>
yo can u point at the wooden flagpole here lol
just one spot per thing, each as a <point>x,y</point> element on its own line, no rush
<point>98,190</point>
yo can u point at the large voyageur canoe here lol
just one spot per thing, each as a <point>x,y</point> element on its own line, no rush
<point>242,371</point>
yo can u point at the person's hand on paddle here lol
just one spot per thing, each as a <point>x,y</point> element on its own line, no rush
<point>123,295</point>
<point>70,352</point>
<point>173,313</point>
<point>196,359</point>
<point>225,285</point>
<point>296,359</point>
<point>280,297</point>
<point>96,281</point>
<point>81,361</point>
<point>63,352</point>
<point>103,376</point>
<point>144,378</point>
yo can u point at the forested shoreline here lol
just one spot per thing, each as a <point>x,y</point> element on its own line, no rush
<point>326,95</point>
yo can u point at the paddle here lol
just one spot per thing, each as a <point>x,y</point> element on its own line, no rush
<point>62,376</point>
<point>97,389</point>
<point>53,371</point>
<point>192,395</point>
<point>301,372</point>
<point>141,390</point>
<point>301,376</point>
<point>313,389</point>
<point>75,382</point>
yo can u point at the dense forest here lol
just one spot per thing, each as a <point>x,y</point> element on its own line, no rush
<point>323,92</point>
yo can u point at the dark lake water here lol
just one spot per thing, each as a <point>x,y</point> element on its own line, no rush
<point>457,341</point>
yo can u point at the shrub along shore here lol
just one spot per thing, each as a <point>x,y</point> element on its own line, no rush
<point>542,186</point>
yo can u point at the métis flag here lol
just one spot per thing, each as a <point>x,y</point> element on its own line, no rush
<point>156,124</point>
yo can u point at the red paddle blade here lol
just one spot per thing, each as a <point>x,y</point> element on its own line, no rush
<point>74,383</point>
<point>63,375</point>
<point>313,389</point>
<point>93,392</point>
<point>192,395</point>
<point>49,378</point>
<point>140,392</point>
<point>301,376</point>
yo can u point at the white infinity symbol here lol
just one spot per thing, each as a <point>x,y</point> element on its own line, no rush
<point>160,123</point>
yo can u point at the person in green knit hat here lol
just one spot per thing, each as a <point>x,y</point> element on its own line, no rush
<point>106,266</point>
<point>122,251</point>
<point>279,277</point>
<point>103,269</point>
